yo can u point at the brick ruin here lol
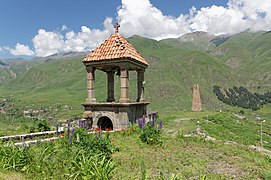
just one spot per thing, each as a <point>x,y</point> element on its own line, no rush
<point>196,100</point>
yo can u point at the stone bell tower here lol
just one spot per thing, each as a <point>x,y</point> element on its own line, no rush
<point>115,56</point>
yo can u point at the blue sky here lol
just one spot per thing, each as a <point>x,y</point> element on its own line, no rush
<point>41,28</point>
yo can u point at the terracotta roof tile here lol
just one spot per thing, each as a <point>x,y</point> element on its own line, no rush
<point>115,47</point>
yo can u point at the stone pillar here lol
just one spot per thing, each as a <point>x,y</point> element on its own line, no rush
<point>90,84</point>
<point>140,85</point>
<point>110,86</point>
<point>196,100</point>
<point>124,86</point>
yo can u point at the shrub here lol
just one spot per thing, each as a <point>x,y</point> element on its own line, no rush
<point>151,134</point>
<point>92,144</point>
<point>39,126</point>
<point>42,125</point>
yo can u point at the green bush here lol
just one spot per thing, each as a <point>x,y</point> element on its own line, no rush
<point>40,126</point>
<point>92,144</point>
<point>151,135</point>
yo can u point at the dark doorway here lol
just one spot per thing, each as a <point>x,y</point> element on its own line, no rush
<point>105,123</point>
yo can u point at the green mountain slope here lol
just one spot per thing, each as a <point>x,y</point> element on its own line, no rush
<point>173,69</point>
<point>248,55</point>
<point>14,68</point>
<point>171,74</point>
<point>192,41</point>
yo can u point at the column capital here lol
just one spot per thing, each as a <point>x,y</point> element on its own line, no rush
<point>90,69</point>
<point>140,70</point>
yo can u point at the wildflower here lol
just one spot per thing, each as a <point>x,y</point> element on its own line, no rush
<point>68,131</point>
<point>153,122</point>
<point>141,122</point>
<point>160,125</point>
<point>73,132</point>
<point>80,123</point>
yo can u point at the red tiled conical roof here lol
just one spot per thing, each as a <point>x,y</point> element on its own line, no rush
<point>115,47</point>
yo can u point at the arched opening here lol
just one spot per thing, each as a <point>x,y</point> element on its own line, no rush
<point>105,123</point>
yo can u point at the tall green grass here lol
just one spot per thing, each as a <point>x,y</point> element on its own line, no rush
<point>86,157</point>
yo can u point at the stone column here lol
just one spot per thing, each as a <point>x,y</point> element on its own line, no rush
<point>140,85</point>
<point>124,86</point>
<point>110,86</point>
<point>90,84</point>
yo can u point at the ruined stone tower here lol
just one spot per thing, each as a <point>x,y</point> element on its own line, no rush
<point>196,101</point>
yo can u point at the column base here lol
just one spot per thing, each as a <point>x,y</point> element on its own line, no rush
<point>110,100</point>
<point>141,100</point>
<point>125,100</point>
<point>93,100</point>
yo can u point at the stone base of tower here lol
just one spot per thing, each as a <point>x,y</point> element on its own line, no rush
<point>115,115</point>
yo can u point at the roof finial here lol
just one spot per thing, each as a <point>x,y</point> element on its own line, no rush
<point>116,27</point>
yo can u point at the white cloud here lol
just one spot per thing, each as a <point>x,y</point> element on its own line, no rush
<point>142,18</point>
<point>237,17</point>
<point>218,20</point>
<point>47,43</point>
<point>257,14</point>
<point>21,50</point>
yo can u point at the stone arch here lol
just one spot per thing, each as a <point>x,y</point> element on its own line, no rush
<point>105,123</point>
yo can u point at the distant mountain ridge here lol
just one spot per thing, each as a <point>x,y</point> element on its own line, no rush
<point>62,55</point>
<point>11,61</point>
<point>174,66</point>
<point>197,40</point>
<point>12,67</point>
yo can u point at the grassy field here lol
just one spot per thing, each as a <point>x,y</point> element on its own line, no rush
<point>189,159</point>
<point>182,157</point>
<point>195,158</point>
